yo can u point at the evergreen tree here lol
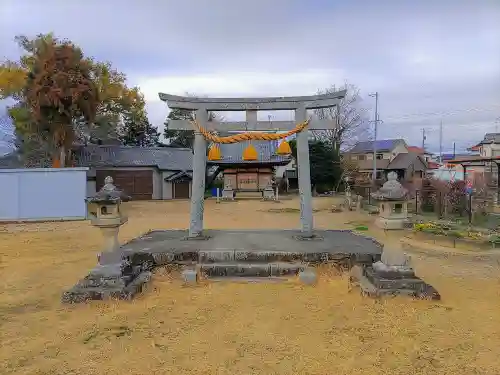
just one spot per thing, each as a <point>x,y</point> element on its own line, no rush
<point>179,138</point>
<point>324,162</point>
<point>138,131</point>
<point>183,138</point>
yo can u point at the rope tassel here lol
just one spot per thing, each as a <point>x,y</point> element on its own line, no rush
<point>284,148</point>
<point>214,153</point>
<point>250,153</point>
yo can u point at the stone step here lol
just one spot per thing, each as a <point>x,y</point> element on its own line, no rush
<point>242,269</point>
<point>250,280</point>
<point>250,273</point>
<point>271,256</point>
<point>248,195</point>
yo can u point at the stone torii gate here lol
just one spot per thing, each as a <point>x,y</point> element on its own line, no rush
<point>202,107</point>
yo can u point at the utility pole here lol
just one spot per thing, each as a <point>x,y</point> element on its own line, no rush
<point>441,141</point>
<point>453,150</point>
<point>423,139</point>
<point>375,95</point>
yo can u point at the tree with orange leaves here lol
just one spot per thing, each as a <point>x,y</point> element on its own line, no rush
<point>58,90</point>
<point>37,141</point>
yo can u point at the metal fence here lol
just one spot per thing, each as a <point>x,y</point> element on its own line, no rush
<point>443,205</point>
<point>455,204</point>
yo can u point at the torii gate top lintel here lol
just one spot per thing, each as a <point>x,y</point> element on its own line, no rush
<point>263,104</point>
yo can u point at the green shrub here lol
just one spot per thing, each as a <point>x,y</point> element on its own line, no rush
<point>494,239</point>
<point>455,234</point>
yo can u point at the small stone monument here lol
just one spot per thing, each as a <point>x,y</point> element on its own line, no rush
<point>393,204</point>
<point>268,193</point>
<point>228,192</point>
<point>107,215</point>
<point>348,195</point>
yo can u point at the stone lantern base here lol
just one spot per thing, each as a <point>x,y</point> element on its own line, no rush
<point>391,223</point>
<point>393,215</point>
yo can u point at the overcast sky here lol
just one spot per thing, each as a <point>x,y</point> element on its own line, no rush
<point>429,60</point>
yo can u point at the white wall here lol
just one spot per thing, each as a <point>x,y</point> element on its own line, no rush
<point>490,150</point>
<point>43,194</point>
<point>280,170</point>
<point>399,149</point>
<point>91,188</point>
<point>166,186</point>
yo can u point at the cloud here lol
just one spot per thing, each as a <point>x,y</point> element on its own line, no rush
<point>422,57</point>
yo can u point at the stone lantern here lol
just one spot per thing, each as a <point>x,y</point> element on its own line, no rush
<point>228,192</point>
<point>268,193</point>
<point>104,211</point>
<point>393,204</point>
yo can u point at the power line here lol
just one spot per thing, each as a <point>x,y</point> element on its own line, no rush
<point>441,113</point>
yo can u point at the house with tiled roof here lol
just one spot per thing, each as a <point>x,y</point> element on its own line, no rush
<point>144,173</point>
<point>390,155</point>
<point>421,151</point>
<point>489,146</point>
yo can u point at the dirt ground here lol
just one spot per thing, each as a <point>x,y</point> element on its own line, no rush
<point>228,328</point>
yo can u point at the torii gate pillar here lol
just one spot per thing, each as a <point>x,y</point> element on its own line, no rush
<point>199,174</point>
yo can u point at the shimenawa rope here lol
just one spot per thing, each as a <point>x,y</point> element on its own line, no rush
<point>249,136</point>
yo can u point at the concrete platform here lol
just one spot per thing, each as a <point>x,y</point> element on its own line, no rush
<point>250,253</point>
<point>244,243</point>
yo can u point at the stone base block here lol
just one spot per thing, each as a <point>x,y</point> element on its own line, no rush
<point>374,285</point>
<point>190,276</point>
<point>391,224</point>
<point>228,195</point>
<point>268,195</point>
<point>257,254</point>
<point>82,293</point>
<point>308,276</point>
<point>250,269</point>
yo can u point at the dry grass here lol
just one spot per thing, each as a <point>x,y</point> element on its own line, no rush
<point>224,328</point>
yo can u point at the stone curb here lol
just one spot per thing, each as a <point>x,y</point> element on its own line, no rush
<point>410,244</point>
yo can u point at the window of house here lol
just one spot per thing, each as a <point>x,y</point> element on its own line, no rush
<point>369,157</point>
<point>380,156</point>
<point>398,208</point>
<point>378,175</point>
<point>362,157</point>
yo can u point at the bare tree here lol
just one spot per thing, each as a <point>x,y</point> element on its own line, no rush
<point>350,116</point>
<point>6,133</point>
<point>349,170</point>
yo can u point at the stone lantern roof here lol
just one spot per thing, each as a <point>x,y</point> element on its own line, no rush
<point>109,194</point>
<point>392,190</point>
